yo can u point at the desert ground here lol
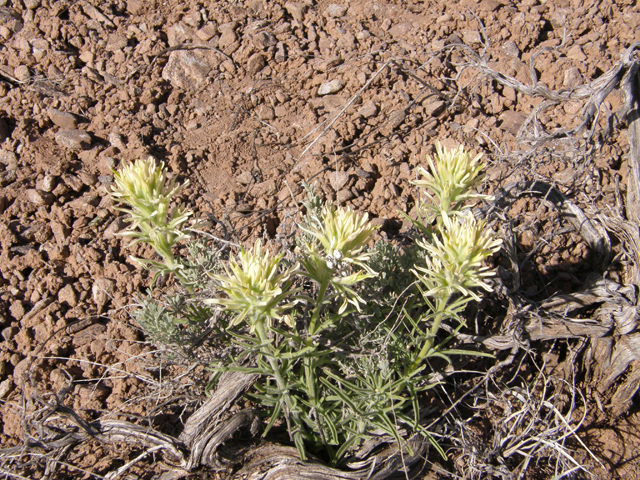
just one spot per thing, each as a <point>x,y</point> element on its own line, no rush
<point>249,99</point>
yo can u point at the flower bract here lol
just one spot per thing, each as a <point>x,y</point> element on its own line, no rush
<point>343,235</point>
<point>451,177</point>
<point>454,261</point>
<point>145,188</point>
<point>255,285</point>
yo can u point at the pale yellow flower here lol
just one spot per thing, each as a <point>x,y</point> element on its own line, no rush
<point>451,177</point>
<point>144,187</point>
<point>454,261</point>
<point>256,286</point>
<point>343,235</point>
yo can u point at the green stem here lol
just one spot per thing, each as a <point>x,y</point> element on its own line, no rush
<point>282,385</point>
<point>308,362</point>
<point>316,311</point>
<point>441,305</point>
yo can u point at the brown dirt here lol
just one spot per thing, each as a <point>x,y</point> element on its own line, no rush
<point>88,85</point>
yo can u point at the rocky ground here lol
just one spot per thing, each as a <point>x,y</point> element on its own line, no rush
<point>234,97</point>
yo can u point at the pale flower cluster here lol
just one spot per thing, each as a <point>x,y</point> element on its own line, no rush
<point>451,178</point>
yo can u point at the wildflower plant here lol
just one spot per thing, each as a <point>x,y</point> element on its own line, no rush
<point>339,332</point>
<point>145,188</point>
<point>451,178</point>
<point>255,287</point>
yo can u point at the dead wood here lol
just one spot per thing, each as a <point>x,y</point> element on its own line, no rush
<point>277,462</point>
<point>604,312</point>
<point>209,427</point>
<point>592,233</point>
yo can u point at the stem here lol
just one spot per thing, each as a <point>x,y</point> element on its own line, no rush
<point>441,304</point>
<point>282,385</point>
<point>275,368</point>
<point>308,362</point>
<point>316,311</point>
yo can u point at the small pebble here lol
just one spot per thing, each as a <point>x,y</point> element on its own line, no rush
<point>62,119</point>
<point>333,86</point>
<point>74,139</point>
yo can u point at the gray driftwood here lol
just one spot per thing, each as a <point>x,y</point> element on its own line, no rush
<point>613,329</point>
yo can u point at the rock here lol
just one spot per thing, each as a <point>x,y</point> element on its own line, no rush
<point>228,66</point>
<point>88,335</point>
<point>332,102</point>
<point>397,118</point>
<point>363,35</point>
<point>471,37</point>
<point>38,197</point>
<point>576,53</point>
<point>335,10</point>
<point>347,41</point>
<point>22,73</point>
<point>572,78</point>
<point>39,47</point>
<point>116,140</point>
<point>7,177</point>
<point>65,120</point>
<point>256,63</point>
<point>227,37</point>
<point>19,371</point>
<point>87,178</point>
<point>9,159</point>
<point>282,97</point>
<point>281,53</point>
<point>434,107</point>
<point>9,332</point>
<point>510,49</point>
<point>332,86</point>
<point>245,178</point>
<point>10,20</point>
<point>509,93</point>
<point>489,5</point>
<point>116,42</point>
<point>193,19</point>
<point>264,40</point>
<point>17,310</point>
<point>512,121</point>
<point>186,69</point>
<point>296,10</point>
<point>102,291</point>
<point>263,189</point>
<point>401,29</point>
<point>344,196</point>
<point>22,44</point>
<point>114,227</point>
<point>68,295</point>
<point>5,387</point>
<point>178,34</point>
<point>74,139</point>
<point>107,165</point>
<point>266,113</point>
<point>338,180</point>
<point>453,39</point>
<point>326,65</point>
<point>60,232</point>
<point>47,184</point>
<point>135,7</point>
<point>207,32</point>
